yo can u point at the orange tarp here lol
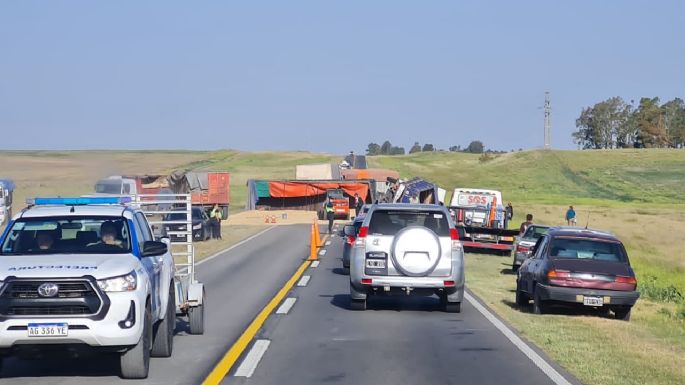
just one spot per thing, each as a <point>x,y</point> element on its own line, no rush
<point>378,174</point>
<point>295,189</point>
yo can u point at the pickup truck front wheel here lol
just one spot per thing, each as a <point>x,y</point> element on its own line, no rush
<point>163,343</point>
<point>135,362</point>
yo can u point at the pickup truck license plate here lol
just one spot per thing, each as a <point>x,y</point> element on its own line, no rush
<point>48,330</point>
<point>593,301</point>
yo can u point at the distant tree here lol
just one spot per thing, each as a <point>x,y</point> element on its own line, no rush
<point>373,149</point>
<point>386,147</point>
<point>455,148</point>
<point>649,121</point>
<point>415,148</point>
<point>397,151</point>
<point>674,121</point>
<point>607,124</point>
<point>475,147</point>
<point>428,148</point>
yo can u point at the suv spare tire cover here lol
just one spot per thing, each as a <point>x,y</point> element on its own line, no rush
<point>416,251</point>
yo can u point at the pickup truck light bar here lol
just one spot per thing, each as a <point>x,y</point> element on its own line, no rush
<point>78,201</point>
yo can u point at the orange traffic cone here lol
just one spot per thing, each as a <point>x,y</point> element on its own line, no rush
<point>317,234</point>
<point>313,249</point>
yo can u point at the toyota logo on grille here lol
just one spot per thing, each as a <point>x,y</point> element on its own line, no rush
<point>48,289</point>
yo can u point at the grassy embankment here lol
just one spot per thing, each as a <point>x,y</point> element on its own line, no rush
<point>634,194</point>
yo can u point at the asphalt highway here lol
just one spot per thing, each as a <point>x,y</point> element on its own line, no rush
<point>238,284</point>
<point>313,337</point>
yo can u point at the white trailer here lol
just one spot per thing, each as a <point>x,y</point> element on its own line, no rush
<point>190,293</point>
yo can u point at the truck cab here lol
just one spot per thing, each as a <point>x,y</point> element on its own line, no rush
<point>116,186</point>
<point>86,273</point>
<point>341,204</point>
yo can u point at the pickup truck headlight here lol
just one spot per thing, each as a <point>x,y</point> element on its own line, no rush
<point>197,226</point>
<point>127,282</point>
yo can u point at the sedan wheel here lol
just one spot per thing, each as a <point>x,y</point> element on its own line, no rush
<point>623,313</point>
<point>538,305</point>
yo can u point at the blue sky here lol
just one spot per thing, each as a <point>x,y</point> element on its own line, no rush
<point>326,76</point>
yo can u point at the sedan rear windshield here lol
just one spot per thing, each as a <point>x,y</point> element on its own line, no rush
<point>583,248</point>
<point>390,222</point>
<point>68,235</point>
<point>535,232</point>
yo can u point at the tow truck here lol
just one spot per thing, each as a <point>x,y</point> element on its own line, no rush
<point>483,219</point>
<point>86,274</point>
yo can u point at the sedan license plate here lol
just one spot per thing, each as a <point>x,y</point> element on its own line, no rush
<point>378,264</point>
<point>48,330</point>
<point>593,301</point>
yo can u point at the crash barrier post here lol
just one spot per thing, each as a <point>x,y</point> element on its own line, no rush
<point>313,248</point>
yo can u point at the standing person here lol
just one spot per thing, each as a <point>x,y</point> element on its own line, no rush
<point>330,214</point>
<point>524,225</point>
<point>215,220</point>
<point>571,216</point>
<point>510,211</point>
<point>358,203</point>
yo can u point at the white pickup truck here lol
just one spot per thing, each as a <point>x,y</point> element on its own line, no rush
<point>86,273</point>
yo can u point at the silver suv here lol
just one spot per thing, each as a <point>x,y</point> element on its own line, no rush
<point>407,249</point>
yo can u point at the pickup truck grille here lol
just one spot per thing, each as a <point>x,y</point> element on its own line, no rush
<point>48,310</point>
<point>66,290</point>
<point>77,297</point>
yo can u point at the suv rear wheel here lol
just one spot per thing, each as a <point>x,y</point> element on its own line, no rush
<point>449,307</point>
<point>357,304</point>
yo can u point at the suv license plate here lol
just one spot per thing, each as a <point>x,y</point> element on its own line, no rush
<point>593,301</point>
<point>377,264</point>
<point>48,330</point>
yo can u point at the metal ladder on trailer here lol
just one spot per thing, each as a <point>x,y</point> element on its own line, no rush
<point>171,217</point>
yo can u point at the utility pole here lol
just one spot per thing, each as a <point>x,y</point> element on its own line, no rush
<point>548,122</point>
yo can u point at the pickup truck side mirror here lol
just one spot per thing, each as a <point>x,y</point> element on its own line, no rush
<point>154,248</point>
<point>349,231</point>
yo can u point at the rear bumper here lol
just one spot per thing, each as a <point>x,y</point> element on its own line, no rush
<point>575,295</point>
<point>489,246</point>
<point>519,258</point>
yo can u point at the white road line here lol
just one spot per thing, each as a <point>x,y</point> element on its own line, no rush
<point>322,252</point>
<point>328,243</point>
<point>540,362</point>
<point>234,246</point>
<point>304,280</point>
<point>314,264</point>
<point>286,306</point>
<point>249,364</point>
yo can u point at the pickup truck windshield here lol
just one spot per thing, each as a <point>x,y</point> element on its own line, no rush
<point>108,188</point>
<point>68,235</point>
<point>336,194</point>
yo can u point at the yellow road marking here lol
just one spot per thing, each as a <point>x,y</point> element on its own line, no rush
<point>224,366</point>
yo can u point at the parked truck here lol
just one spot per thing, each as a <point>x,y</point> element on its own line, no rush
<point>482,216</point>
<point>206,188</point>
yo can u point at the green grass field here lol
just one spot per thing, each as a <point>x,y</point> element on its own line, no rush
<point>635,194</point>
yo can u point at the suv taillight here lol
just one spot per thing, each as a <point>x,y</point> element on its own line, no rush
<point>522,249</point>
<point>454,235</point>
<point>361,237</point>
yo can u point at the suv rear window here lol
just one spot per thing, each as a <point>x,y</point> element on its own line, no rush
<point>535,232</point>
<point>390,222</point>
<point>582,248</point>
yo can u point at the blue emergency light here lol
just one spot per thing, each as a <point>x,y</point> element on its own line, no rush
<point>79,201</point>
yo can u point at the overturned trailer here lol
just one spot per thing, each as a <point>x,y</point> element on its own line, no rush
<point>422,190</point>
<point>308,195</point>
